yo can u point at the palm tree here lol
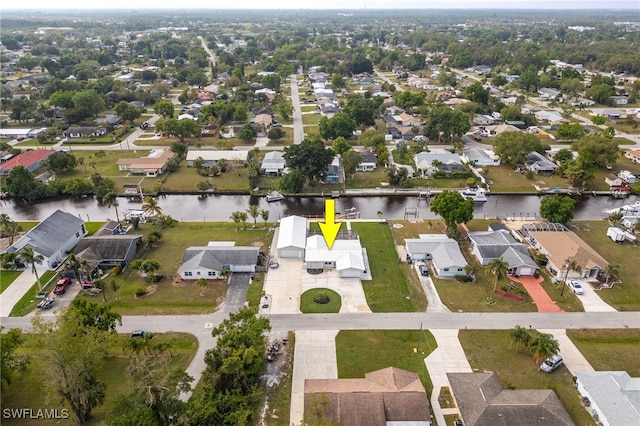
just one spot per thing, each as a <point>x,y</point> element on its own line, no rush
<point>27,255</point>
<point>243,217</point>
<point>543,345</point>
<point>12,229</point>
<point>75,265</point>
<point>611,270</point>
<point>151,206</point>
<point>254,212</point>
<point>520,336</point>
<point>202,283</point>
<point>264,214</point>
<point>111,200</point>
<point>570,265</point>
<point>498,268</point>
<point>4,220</point>
<point>235,217</point>
<point>471,270</point>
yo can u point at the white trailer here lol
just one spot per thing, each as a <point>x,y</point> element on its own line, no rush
<point>616,234</point>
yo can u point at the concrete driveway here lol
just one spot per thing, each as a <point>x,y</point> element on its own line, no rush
<point>590,299</point>
<point>236,292</point>
<point>349,289</point>
<point>283,286</point>
<point>434,304</point>
<point>572,357</point>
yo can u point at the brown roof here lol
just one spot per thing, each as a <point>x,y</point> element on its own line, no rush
<point>562,245</point>
<point>390,394</point>
<point>263,119</point>
<point>483,402</point>
<point>148,163</point>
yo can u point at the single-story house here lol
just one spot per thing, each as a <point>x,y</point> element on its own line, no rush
<point>20,133</point>
<point>613,395</point>
<point>489,245</point>
<point>483,402</point>
<point>410,172</point>
<point>612,114</point>
<point>153,164</point>
<point>209,261</point>
<point>263,119</point>
<point>107,251</point>
<point>481,157</point>
<point>390,396</point>
<point>273,163</point>
<point>292,237</point>
<point>551,117</point>
<point>445,161</point>
<point>619,100</point>
<point>30,160</point>
<point>539,164</point>
<point>82,132</point>
<point>614,181</point>
<point>53,238</point>
<point>633,155</point>
<point>443,252</point>
<point>345,255</point>
<point>560,244</point>
<point>408,120</point>
<point>548,92</point>
<point>211,157</point>
<point>369,162</point>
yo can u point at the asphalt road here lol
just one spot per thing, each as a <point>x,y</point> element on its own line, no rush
<point>298,127</point>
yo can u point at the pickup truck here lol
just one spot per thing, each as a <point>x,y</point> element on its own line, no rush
<point>62,285</point>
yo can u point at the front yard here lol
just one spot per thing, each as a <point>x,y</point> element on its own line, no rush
<point>612,350</point>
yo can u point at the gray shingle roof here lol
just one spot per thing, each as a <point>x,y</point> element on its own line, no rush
<point>496,244</point>
<point>47,237</point>
<point>616,394</point>
<point>215,258</point>
<point>105,247</point>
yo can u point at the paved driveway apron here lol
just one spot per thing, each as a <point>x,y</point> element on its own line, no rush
<point>236,292</point>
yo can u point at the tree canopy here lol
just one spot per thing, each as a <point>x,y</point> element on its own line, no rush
<point>513,147</point>
<point>454,209</point>
<point>557,208</point>
<point>310,157</point>
<point>340,124</point>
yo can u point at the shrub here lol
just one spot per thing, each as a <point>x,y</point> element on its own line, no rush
<point>529,175</point>
<point>463,278</point>
<point>322,299</point>
<point>141,291</point>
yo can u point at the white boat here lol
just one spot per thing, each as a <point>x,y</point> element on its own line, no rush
<point>475,193</point>
<point>274,196</point>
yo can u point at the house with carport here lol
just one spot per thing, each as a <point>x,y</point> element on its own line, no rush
<point>292,237</point>
<point>209,261</point>
<point>489,245</point>
<point>53,238</point>
<point>443,252</point>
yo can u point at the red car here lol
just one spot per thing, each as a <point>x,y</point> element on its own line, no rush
<point>62,285</point>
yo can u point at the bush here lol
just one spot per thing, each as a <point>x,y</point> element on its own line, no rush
<point>322,299</point>
<point>463,278</point>
<point>529,175</point>
<point>141,291</point>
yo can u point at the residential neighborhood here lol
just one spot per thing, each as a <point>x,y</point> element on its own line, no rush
<point>286,217</point>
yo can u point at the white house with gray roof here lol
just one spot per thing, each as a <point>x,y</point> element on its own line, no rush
<point>613,395</point>
<point>445,161</point>
<point>443,252</point>
<point>273,163</point>
<point>209,261</point>
<point>539,164</point>
<point>489,245</point>
<point>53,238</point>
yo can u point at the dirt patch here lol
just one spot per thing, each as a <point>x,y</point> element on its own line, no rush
<point>510,296</point>
<point>257,244</point>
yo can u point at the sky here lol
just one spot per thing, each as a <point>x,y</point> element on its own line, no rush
<point>335,4</point>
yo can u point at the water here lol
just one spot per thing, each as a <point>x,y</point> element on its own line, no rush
<point>220,207</point>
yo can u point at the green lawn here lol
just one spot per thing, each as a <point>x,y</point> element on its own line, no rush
<point>255,291</point>
<point>624,296</point>
<point>505,179</point>
<point>28,302</point>
<point>308,305</point>
<point>92,227</point>
<point>28,391</point>
<point>391,289</point>
<point>185,179</point>
<point>491,350</point>
<point>311,119</point>
<point>362,351</point>
<point>609,349</point>
<point>286,140</point>
<point>371,179</point>
<point>7,277</point>
<point>173,296</point>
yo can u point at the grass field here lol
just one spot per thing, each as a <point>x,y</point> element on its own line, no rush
<point>371,179</point>
<point>29,391</point>
<point>171,296</point>
<point>7,277</point>
<point>491,350</point>
<point>505,179</point>
<point>390,290</point>
<point>362,351</point>
<point>624,296</point>
<point>308,305</point>
<point>311,119</point>
<point>613,350</point>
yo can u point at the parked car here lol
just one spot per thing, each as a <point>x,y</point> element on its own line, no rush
<point>142,333</point>
<point>576,287</point>
<point>62,285</point>
<point>46,303</point>
<point>551,364</point>
<point>424,271</point>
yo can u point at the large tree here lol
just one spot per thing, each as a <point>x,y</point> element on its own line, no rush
<point>164,108</point>
<point>454,209</point>
<point>340,125</point>
<point>127,112</point>
<point>310,157</point>
<point>597,150</point>
<point>231,381</point>
<point>21,184</point>
<point>443,122</point>
<point>557,208</point>
<point>10,361</point>
<point>76,346</point>
<point>513,147</point>
<point>59,162</point>
<point>362,110</point>
<point>247,133</point>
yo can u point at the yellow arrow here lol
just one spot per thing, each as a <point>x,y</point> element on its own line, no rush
<point>329,228</point>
